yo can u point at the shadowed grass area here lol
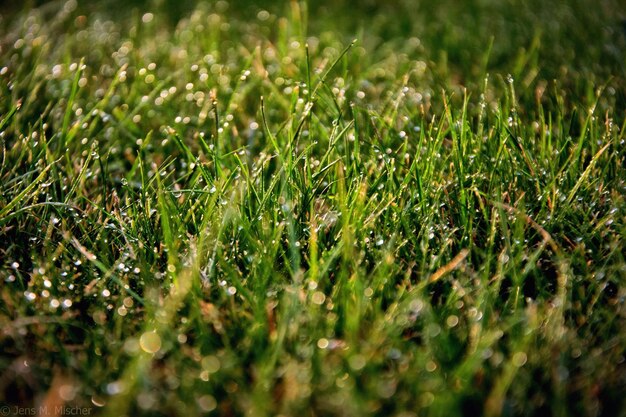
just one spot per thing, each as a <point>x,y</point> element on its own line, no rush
<point>313,209</point>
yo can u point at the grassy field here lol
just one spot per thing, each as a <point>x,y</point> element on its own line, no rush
<point>324,209</point>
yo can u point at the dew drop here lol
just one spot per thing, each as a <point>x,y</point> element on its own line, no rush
<point>322,343</point>
<point>207,403</point>
<point>150,342</point>
<point>519,359</point>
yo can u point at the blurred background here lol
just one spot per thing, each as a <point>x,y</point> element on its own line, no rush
<point>533,40</point>
<point>451,32</point>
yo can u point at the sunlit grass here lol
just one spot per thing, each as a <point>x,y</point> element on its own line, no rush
<point>249,212</point>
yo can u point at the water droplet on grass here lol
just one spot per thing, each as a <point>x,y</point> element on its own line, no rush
<point>519,359</point>
<point>115,388</point>
<point>318,298</point>
<point>452,321</point>
<point>150,342</point>
<point>98,401</point>
<point>207,403</point>
<point>357,362</point>
<point>211,364</point>
<point>322,343</point>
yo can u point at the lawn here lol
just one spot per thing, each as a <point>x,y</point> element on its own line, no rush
<point>314,208</point>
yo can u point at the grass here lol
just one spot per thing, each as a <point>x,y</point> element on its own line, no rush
<point>239,209</point>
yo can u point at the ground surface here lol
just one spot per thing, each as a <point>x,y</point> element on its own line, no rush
<point>239,209</point>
